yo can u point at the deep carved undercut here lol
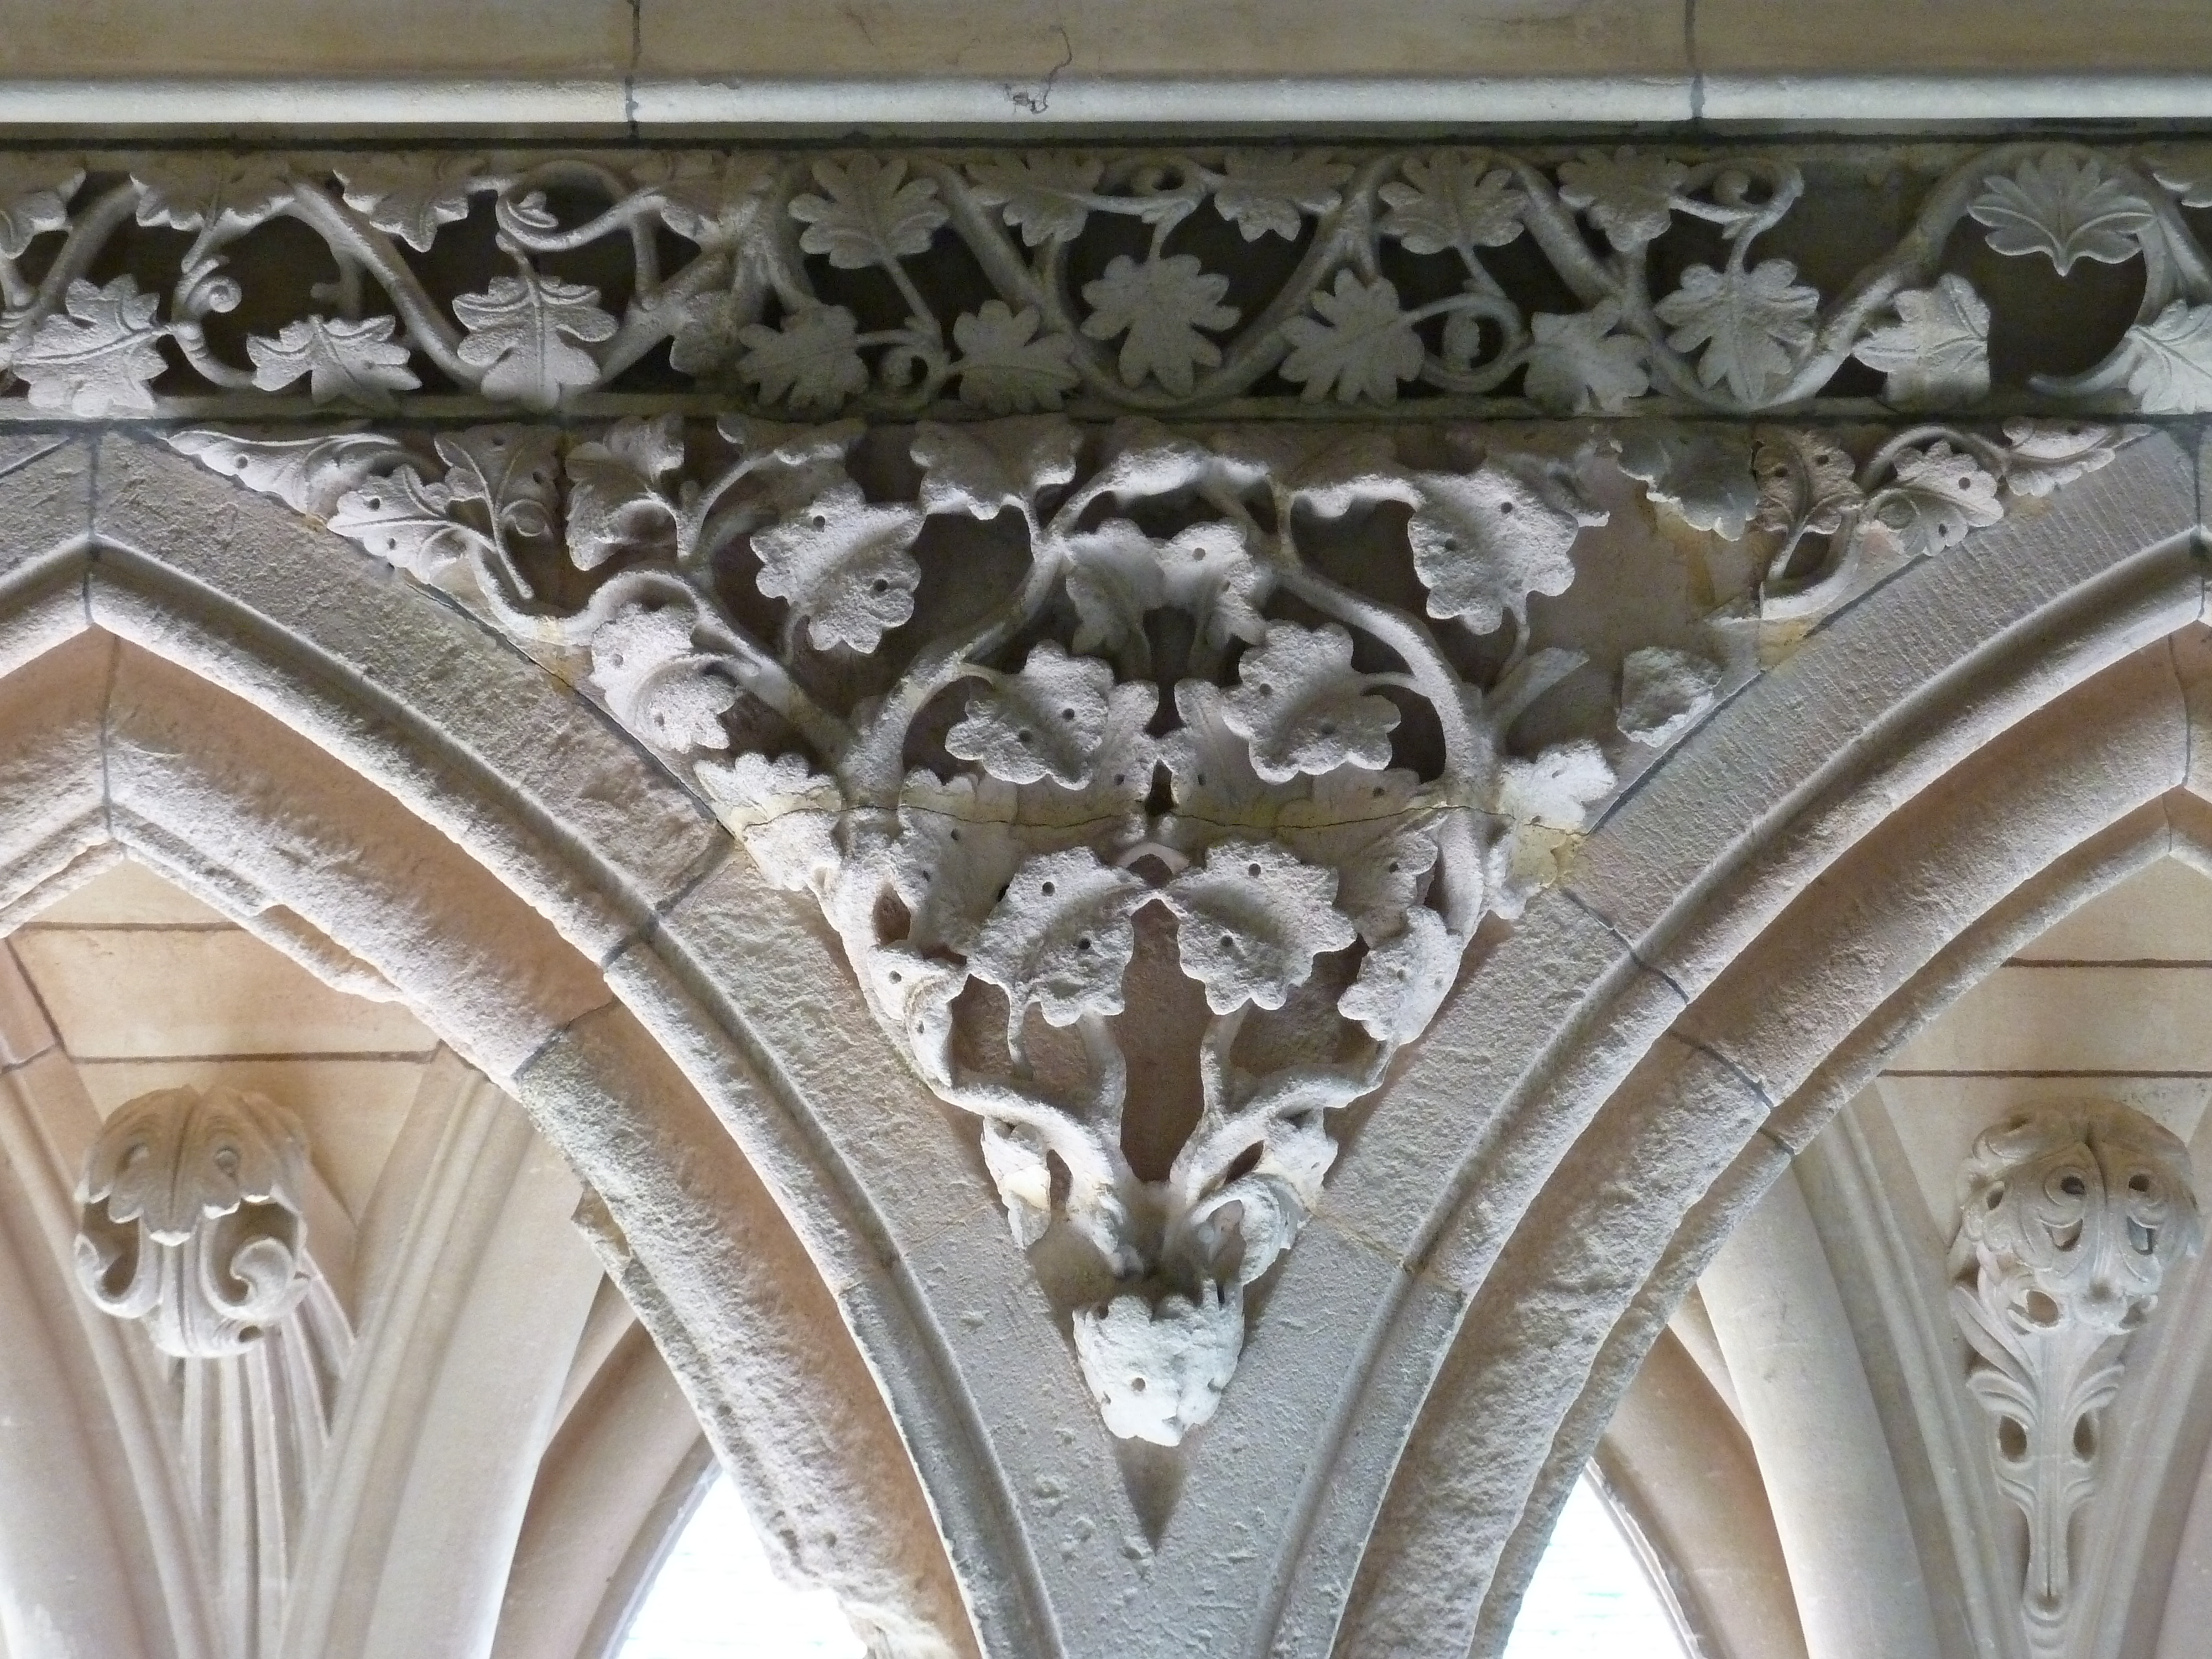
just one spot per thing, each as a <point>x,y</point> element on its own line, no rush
<point>2070,1221</point>
<point>893,282</point>
<point>1158,782</point>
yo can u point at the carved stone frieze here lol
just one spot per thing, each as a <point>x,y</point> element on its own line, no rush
<point>1158,782</point>
<point>191,1219</point>
<point>894,282</point>
<point>2069,1220</point>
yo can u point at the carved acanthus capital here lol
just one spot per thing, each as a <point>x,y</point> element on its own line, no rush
<point>2070,1219</point>
<point>190,1219</point>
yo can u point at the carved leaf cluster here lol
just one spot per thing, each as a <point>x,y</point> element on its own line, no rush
<point>1166,718</point>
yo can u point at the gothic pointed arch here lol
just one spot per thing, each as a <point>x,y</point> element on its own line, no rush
<point>2024,734</point>
<point>139,693</point>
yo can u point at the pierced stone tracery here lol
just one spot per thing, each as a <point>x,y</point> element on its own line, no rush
<point>1557,281</point>
<point>1156,782</point>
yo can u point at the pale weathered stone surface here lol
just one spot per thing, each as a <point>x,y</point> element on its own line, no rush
<point>1554,1064</point>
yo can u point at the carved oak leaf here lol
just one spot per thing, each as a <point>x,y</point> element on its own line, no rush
<point>34,195</point>
<point>523,335</point>
<point>1555,790</point>
<point>1806,484</point>
<point>1485,541</point>
<point>782,810</point>
<point>2045,454</point>
<point>1403,981</point>
<point>409,197</point>
<point>1629,197</point>
<point>979,470</point>
<point>872,214</point>
<point>1061,939</point>
<point>407,521</point>
<point>515,471</point>
<point>1704,475</point>
<point>1005,366</point>
<point>1160,305</point>
<point>1753,326</point>
<point>1266,192</point>
<point>1580,366</point>
<point>358,360</point>
<point>707,197</point>
<point>2170,361</point>
<point>1544,803</point>
<point>955,852</point>
<point>796,462</point>
<point>1045,194</point>
<point>1044,722</point>
<point>1217,792</point>
<point>1116,573</point>
<point>96,359</point>
<point>2185,169</point>
<point>1367,827</point>
<point>1303,707</point>
<point>1937,353</point>
<point>1450,201</point>
<point>308,475</point>
<point>1364,347</point>
<point>619,498</point>
<point>812,360</point>
<point>1251,919</point>
<point>1158,1372</point>
<point>212,192</point>
<point>1939,495</point>
<point>2064,209</point>
<point>655,683</point>
<point>709,330</point>
<point>843,564</point>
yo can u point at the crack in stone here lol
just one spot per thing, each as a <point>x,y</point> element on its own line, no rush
<point>1036,102</point>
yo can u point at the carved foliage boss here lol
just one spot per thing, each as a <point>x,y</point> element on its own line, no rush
<point>191,1219</point>
<point>2069,1222</point>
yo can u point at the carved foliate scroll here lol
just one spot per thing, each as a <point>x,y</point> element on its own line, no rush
<point>1561,281</point>
<point>1156,780</point>
<point>2069,1220</point>
<point>191,1219</point>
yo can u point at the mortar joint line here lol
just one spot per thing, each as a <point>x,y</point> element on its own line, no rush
<point>1626,944</point>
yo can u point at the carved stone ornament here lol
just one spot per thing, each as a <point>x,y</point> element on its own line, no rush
<point>189,1219</point>
<point>2069,1220</point>
<point>1070,726</point>
<point>1562,281</point>
<point>1157,777</point>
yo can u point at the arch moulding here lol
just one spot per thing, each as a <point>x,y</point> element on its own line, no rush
<point>1724,724</point>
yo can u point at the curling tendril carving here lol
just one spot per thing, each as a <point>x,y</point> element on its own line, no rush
<point>1156,786</point>
<point>191,1219</point>
<point>2070,1221</point>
